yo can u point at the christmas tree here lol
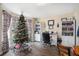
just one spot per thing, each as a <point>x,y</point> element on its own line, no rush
<point>21,32</point>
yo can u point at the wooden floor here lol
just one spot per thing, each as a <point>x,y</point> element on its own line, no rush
<point>38,49</point>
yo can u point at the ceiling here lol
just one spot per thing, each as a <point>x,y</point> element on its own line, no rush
<point>41,9</point>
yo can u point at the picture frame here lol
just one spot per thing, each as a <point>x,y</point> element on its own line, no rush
<point>51,22</point>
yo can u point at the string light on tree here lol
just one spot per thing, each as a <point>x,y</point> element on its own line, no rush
<point>21,32</point>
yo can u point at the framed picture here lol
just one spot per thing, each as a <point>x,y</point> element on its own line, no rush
<point>50,22</point>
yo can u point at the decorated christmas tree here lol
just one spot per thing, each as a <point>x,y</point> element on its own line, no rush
<point>21,32</point>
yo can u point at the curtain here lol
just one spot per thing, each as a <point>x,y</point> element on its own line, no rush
<point>6,24</point>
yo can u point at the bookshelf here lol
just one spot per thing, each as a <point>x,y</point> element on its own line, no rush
<point>69,31</point>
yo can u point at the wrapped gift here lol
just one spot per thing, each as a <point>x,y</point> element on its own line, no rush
<point>17,46</point>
